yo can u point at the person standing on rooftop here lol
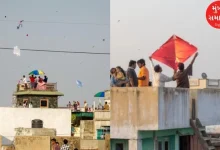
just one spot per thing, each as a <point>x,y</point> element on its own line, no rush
<point>65,146</point>
<point>143,75</point>
<point>131,74</point>
<point>159,78</point>
<point>25,82</point>
<point>181,76</point>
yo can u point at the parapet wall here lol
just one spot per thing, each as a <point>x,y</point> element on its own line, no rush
<point>208,106</point>
<point>32,142</point>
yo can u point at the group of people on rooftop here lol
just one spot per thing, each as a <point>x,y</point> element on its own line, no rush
<point>56,146</point>
<point>76,106</point>
<point>120,78</point>
<point>35,82</point>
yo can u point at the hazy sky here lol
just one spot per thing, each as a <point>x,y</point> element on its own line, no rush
<point>65,69</point>
<point>145,25</point>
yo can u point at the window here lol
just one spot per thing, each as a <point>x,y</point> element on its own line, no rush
<point>44,103</point>
<point>163,144</point>
<point>119,146</point>
<point>166,145</point>
<point>25,100</point>
<point>160,146</point>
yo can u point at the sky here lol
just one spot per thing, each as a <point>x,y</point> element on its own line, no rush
<point>145,25</point>
<point>65,69</point>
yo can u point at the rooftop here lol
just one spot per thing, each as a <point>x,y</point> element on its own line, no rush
<point>39,87</point>
<point>49,89</point>
<point>33,92</point>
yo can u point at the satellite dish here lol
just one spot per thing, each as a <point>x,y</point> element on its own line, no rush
<point>204,75</point>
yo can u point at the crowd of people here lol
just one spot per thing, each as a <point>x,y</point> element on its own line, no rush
<point>120,78</point>
<point>76,106</point>
<point>37,83</point>
<point>56,146</point>
<point>25,105</point>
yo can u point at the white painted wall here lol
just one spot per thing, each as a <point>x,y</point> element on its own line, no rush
<point>11,118</point>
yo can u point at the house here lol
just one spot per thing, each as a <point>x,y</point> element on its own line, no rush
<point>47,98</point>
<point>150,118</point>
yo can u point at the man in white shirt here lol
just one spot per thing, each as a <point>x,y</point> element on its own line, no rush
<point>30,105</point>
<point>25,82</point>
<point>159,78</point>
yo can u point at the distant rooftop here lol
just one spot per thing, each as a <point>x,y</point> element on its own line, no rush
<point>32,92</point>
<point>40,87</point>
<point>48,89</point>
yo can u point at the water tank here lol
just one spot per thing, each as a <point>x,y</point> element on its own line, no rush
<point>37,123</point>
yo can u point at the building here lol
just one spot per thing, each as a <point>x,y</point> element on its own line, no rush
<point>47,98</point>
<point>14,118</point>
<point>163,118</point>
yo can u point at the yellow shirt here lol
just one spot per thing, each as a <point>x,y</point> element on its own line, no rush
<point>143,72</point>
<point>120,76</point>
<point>106,107</point>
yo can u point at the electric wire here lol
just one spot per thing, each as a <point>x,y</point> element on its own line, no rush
<point>60,51</point>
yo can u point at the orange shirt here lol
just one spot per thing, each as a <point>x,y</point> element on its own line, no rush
<point>143,72</point>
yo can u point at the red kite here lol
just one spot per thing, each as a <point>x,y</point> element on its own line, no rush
<point>174,51</point>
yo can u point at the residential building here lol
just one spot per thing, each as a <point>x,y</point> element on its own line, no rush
<point>150,118</point>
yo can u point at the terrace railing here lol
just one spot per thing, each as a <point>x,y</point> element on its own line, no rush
<point>45,87</point>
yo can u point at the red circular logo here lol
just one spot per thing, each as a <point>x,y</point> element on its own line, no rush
<point>213,14</point>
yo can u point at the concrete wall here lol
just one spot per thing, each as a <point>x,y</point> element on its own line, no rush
<point>208,106</point>
<point>73,142</point>
<point>43,142</point>
<point>92,144</point>
<point>107,142</point>
<point>0,141</point>
<point>32,142</point>
<point>102,115</point>
<point>147,108</point>
<point>35,132</point>
<point>52,100</point>
<point>11,118</point>
<point>87,129</point>
<point>174,108</point>
<point>123,113</point>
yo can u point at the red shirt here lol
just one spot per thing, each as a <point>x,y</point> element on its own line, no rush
<point>32,79</point>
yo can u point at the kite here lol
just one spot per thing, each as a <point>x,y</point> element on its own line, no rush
<point>20,24</point>
<point>16,51</point>
<point>5,16</point>
<point>103,39</point>
<point>79,83</point>
<point>26,34</point>
<point>174,51</point>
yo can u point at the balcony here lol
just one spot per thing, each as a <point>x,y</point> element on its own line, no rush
<point>43,87</point>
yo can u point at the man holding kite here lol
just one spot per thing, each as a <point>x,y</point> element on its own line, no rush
<point>173,53</point>
<point>181,77</point>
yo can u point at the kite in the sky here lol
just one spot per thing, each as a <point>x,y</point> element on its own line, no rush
<point>5,16</point>
<point>16,51</point>
<point>79,83</point>
<point>20,24</point>
<point>26,34</point>
<point>174,51</point>
<point>103,39</point>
